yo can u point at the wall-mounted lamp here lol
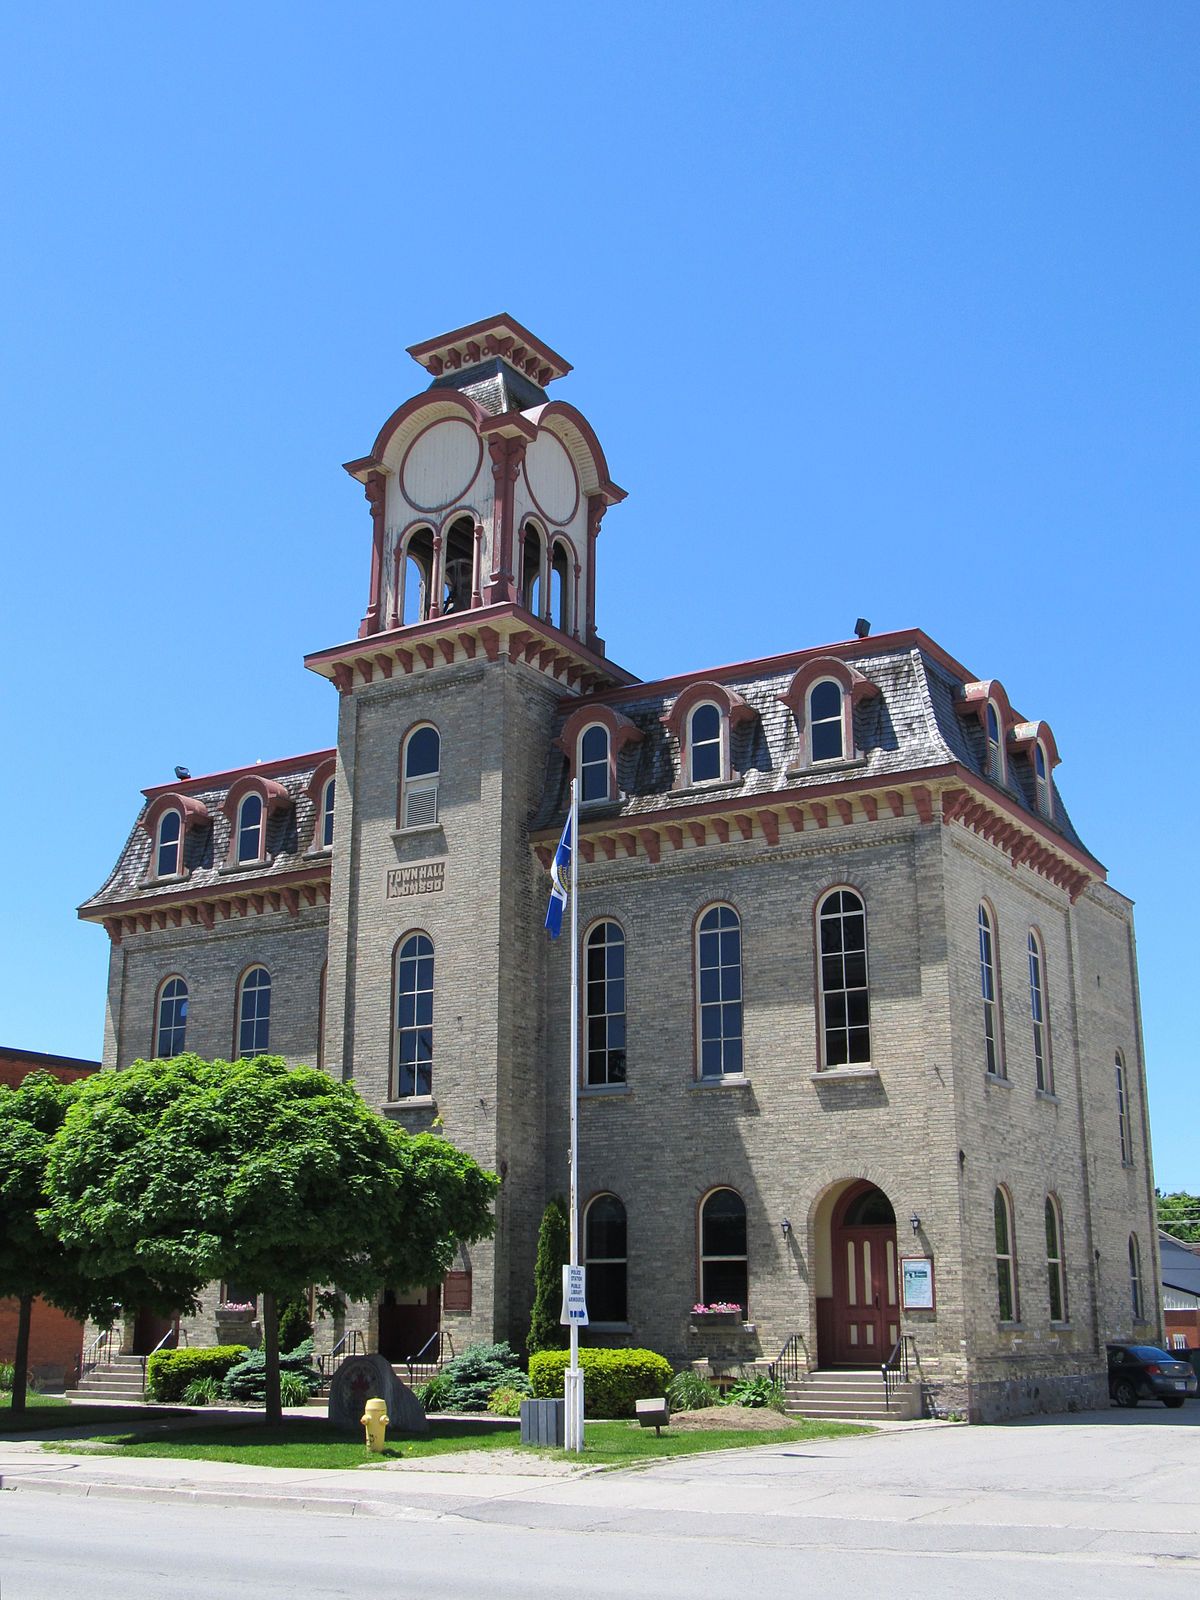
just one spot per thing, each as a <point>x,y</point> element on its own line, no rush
<point>786,1226</point>
<point>916,1222</point>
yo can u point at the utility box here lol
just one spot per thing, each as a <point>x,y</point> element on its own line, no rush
<point>544,1422</point>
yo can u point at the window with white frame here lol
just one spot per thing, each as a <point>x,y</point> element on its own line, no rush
<point>1042,1065</point>
<point>254,1012</point>
<point>605,1254</point>
<point>826,735</point>
<point>1006,1259</point>
<point>1054,1260</point>
<point>170,1021</point>
<point>719,992</point>
<point>724,1260</point>
<point>1041,779</point>
<point>1137,1300</point>
<point>594,774</point>
<point>995,743</point>
<point>168,851</point>
<point>251,830</point>
<point>705,738</point>
<point>990,992</point>
<point>325,822</point>
<point>420,770</point>
<point>842,975</point>
<point>413,1051</point>
<point>1123,1130</point>
<point>604,977</point>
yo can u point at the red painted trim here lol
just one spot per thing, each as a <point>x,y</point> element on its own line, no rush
<point>621,731</point>
<point>854,686</point>
<point>193,813</point>
<point>1024,735</point>
<point>452,499</point>
<point>216,780</point>
<point>503,329</point>
<point>196,895</point>
<point>556,522</point>
<point>419,402</point>
<point>541,415</point>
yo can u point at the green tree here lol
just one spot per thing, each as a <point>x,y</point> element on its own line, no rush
<point>277,1177</point>
<point>1179,1215</point>
<point>546,1332</point>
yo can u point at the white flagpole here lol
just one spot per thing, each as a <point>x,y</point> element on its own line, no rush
<point>573,1388</point>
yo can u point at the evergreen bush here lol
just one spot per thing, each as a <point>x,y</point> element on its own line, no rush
<point>168,1372</point>
<point>612,1379</point>
<point>546,1332</point>
<point>477,1373</point>
<point>295,1328</point>
<point>247,1381</point>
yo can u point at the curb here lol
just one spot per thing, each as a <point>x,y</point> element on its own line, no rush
<point>322,1505</point>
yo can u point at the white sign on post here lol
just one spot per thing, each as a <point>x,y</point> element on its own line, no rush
<point>574,1306</point>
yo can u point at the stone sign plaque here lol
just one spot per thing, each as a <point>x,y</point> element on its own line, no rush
<point>363,1378</point>
<point>427,878</point>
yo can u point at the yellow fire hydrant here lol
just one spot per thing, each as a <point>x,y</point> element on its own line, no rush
<point>375,1420</point>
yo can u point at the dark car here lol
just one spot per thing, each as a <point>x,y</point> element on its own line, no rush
<point>1144,1372</point>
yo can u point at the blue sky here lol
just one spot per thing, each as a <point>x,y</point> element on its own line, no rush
<point>879,309</point>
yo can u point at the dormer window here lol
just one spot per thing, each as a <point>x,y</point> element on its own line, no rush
<point>705,755</point>
<point>168,845</point>
<point>420,770</point>
<point>591,739</point>
<point>250,804</point>
<point>595,781</point>
<point>995,744</point>
<point>326,828</point>
<point>822,696</point>
<point>250,830</point>
<point>825,730</point>
<point>1041,778</point>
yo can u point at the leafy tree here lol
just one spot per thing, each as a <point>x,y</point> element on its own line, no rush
<point>1179,1215</point>
<point>294,1324</point>
<point>546,1332</point>
<point>276,1177</point>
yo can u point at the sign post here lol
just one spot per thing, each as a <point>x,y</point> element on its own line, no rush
<point>573,1377</point>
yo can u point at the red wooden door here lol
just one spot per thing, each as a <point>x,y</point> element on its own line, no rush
<point>865,1299</point>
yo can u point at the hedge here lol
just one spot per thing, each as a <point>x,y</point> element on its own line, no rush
<point>612,1379</point>
<point>168,1372</point>
<point>247,1381</point>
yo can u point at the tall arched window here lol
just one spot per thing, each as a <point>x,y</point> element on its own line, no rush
<point>845,997</point>
<point>1043,1068</point>
<point>594,774</point>
<point>458,567</point>
<point>825,729</point>
<point>1137,1299</point>
<point>605,997</point>
<point>724,1274</point>
<point>605,1255</point>
<point>170,1022</point>
<point>1123,1114</point>
<point>1006,1260</point>
<point>254,1012</point>
<point>420,769</point>
<point>995,743</point>
<point>1041,779</point>
<point>413,1053</point>
<point>325,825</point>
<point>561,586</point>
<point>990,991</point>
<point>531,568</point>
<point>251,825</point>
<point>1054,1261</point>
<point>719,992</point>
<point>704,744</point>
<point>168,847</point>
<point>414,576</point>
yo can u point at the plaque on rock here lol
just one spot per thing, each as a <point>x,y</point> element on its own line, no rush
<point>363,1378</point>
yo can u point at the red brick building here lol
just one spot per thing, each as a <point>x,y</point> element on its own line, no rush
<point>55,1340</point>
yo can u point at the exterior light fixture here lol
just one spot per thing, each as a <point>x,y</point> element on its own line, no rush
<point>785,1226</point>
<point>916,1222</point>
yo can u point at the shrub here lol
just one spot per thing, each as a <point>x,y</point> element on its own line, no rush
<point>168,1372</point>
<point>757,1391</point>
<point>432,1394</point>
<point>688,1391</point>
<point>294,1327</point>
<point>546,1332</point>
<point>202,1392</point>
<point>7,1373</point>
<point>293,1389</point>
<point>247,1381</point>
<point>613,1379</point>
<point>505,1402</point>
<point>479,1371</point>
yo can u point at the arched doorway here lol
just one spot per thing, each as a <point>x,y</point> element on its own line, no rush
<point>866,1300</point>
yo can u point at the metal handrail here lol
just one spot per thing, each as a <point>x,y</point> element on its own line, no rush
<point>91,1356</point>
<point>174,1332</point>
<point>895,1370</point>
<point>353,1337</point>
<point>791,1364</point>
<point>443,1339</point>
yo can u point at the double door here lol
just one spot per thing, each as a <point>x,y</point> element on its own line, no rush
<point>866,1310</point>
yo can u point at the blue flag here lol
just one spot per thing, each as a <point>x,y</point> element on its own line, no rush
<point>559,869</point>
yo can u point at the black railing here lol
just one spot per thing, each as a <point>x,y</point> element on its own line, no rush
<point>425,1365</point>
<point>791,1364</point>
<point>99,1350</point>
<point>350,1344</point>
<point>174,1336</point>
<point>895,1370</point>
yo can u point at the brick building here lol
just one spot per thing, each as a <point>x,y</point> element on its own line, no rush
<point>861,1046</point>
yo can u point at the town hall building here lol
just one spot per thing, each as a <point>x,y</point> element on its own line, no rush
<point>860,1050</point>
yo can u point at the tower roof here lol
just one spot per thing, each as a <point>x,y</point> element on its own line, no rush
<point>500,336</point>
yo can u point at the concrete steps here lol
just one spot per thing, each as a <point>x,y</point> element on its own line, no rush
<point>117,1379</point>
<point>849,1396</point>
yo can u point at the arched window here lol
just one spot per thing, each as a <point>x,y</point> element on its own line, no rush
<point>990,991</point>
<point>1043,1068</point>
<point>1123,1114</point>
<point>719,992</point>
<point>1136,1297</point>
<point>413,1054</point>
<point>458,567</point>
<point>414,577</point>
<point>1054,1261</point>
<point>254,1012</point>
<point>825,727</point>
<point>605,1256</point>
<point>1041,779</point>
<point>168,849</point>
<point>531,568</point>
<point>561,586</point>
<point>170,1022</point>
<point>420,767</point>
<point>251,829</point>
<point>325,826</point>
<point>724,1275</point>
<point>704,744</point>
<point>595,782</point>
<point>605,977</point>
<point>845,998</point>
<point>995,743</point>
<point>1006,1260</point>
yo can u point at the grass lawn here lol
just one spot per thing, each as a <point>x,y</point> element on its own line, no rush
<point>303,1443</point>
<point>52,1411</point>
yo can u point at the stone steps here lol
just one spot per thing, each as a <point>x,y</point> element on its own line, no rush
<point>117,1379</point>
<point>851,1397</point>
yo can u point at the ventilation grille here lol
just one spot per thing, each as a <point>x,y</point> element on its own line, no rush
<point>420,807</point>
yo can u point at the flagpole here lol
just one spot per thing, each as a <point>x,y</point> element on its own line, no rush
<point>573,1388</point>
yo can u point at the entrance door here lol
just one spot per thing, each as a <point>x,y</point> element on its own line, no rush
<point>148,1330</point>
<point>407,1321</point>
<point>866,1311</point>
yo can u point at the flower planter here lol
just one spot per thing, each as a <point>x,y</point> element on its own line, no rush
<point>717,1319</point>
